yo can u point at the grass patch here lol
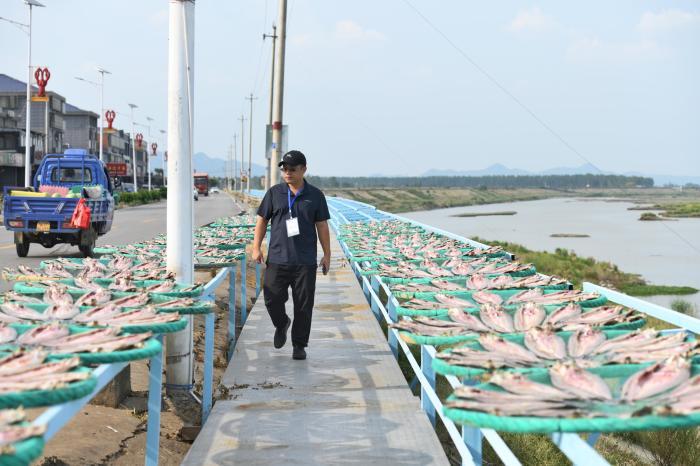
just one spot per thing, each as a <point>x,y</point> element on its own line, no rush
<point>569,235</point>
<point>680,209</point>
<point>652,290</point>
<point>649,216</point>
<point>484,214</point>
<point>668,447</point>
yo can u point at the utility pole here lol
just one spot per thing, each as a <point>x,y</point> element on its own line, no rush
<point>278,95</point>
<point>133,146</point>
<point>250,142</point>
<point>180,213</point>
<point>235,164</point>
<point>272,92</point>
<point>243,119</point>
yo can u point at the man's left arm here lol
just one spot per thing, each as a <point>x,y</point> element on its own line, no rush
<point>322,217</point>
<point>324,236</point>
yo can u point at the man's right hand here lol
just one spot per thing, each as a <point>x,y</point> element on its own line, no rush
<point>258,256</point>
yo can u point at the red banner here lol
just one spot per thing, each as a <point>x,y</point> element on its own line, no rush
<point>117,169</point>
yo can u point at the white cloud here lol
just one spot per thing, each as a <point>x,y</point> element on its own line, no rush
<point>301,40</point>
<point>160,18</point>
<point>593,49</point>
<point>349,31</point>
<point>667,20</point>
<point>532,20</point>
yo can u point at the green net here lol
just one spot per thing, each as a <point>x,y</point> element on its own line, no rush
<point>22,453</point>
<point>532,424</point>
<point>444,368</point>
<point>150,348</point>
<point>34,398</point>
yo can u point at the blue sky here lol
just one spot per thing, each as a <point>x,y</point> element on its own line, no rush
<point>371,88</point>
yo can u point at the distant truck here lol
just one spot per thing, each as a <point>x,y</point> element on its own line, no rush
<point>201,182</point>
<point>42,213</point>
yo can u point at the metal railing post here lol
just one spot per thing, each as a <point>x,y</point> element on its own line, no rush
<point>244,303</point>
<point>207,395</point>
<point>155,384</point>
<point>426,366</point>
<point>231,311</point>
<point>393,338</point>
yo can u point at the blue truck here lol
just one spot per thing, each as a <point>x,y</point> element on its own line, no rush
<point>42,213</point>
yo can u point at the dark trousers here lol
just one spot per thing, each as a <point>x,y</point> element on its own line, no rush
<point>302,279</point>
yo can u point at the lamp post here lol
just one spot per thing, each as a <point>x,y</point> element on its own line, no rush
<point>148,157</point>
<point>102,72</point>
<point>28,135</point>
<point>101,86</point>
<point>133,146</point>
<point>165,151</point>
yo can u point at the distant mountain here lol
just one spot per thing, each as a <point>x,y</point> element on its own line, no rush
<point>216,166</point>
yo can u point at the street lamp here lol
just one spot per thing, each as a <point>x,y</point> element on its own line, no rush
<point>165,151</point>
<point>101,85</point>
<point>148,157</point>
<point>28,135</point>
<point>133,145</point>
<point>102,72</point>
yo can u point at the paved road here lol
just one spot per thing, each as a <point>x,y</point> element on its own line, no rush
<point>131,224</point>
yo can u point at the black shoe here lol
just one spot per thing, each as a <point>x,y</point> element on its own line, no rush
<point>281,334</point>
<point>299,353</point>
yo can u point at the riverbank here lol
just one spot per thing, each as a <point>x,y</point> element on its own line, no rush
<point>398,200</point>
<point>577,269</point>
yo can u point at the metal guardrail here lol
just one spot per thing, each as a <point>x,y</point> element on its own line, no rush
<point>56,417</point>
<point>469,440</point>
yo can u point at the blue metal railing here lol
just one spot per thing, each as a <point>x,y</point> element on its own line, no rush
<point>469,440</point>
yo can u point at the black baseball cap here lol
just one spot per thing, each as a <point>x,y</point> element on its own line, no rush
<point>292,158</point>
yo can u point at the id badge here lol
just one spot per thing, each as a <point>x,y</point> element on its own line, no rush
<point>292,227</point>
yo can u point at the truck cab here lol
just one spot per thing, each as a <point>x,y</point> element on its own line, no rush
<point>42,213</point>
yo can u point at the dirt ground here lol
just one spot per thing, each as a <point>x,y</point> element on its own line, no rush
<point>100,435</point>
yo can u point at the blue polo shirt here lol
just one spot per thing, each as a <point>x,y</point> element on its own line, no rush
<point>310,207</point>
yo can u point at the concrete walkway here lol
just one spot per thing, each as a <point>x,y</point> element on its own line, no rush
<point>348,403</point>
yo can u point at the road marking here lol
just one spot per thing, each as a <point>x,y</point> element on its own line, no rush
<point>150,220</point>
<point>8,246</point>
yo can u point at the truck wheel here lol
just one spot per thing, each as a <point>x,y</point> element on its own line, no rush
<point>21,244</point>
<point>87,241</point>
<point>87,251</point>
<point>22,248</point>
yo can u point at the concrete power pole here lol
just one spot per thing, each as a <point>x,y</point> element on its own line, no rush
<point>235,164</point>
<point>180,238</point>
<point>272,92</point>
<point>278,95</point>
<point>243,119</point>
<point>250,142</point>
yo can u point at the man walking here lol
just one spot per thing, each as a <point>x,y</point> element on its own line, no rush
<point>298,211</point>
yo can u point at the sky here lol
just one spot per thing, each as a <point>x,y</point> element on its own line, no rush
<point>400,86</point>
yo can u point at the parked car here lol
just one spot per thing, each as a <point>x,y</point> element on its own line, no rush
<point>215,190</point>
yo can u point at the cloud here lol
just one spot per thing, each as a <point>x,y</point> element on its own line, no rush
<point>532,20</point>
<point>159,18</point>
<point>349,31</point>
<point>301,40</point>
<point>593,49</point>
<point>667,20</point>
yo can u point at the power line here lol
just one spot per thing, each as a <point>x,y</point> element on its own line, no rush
<point>692,246</point>
<point>499,85</point>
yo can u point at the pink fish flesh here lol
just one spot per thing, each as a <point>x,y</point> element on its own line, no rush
<point>496,318</point>
<point>583,341</point>
<point>527,316</point>
<point>545,344</point>
<point>656,379</point>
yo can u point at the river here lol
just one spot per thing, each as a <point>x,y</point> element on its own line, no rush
<point>663,252</point>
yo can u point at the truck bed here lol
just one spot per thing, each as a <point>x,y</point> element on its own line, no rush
<point>55,210</point>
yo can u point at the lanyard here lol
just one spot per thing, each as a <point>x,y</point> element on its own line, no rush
<point>291,201</point>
